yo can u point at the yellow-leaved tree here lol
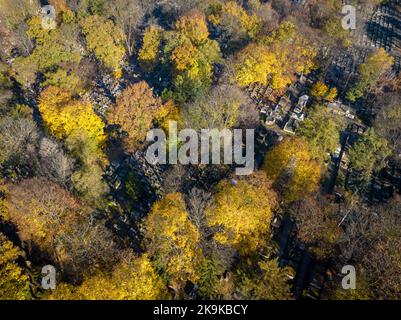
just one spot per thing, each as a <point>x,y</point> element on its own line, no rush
<point>149,53</point>
<point>173,241</point>
<point>4,214</point>
<point>193,26</point>
<point>188,49</point>
<point>53,50</point>
<point>266,281</point>
<point>370,72</point>
<point>64,116</point>
<point>192,54</point>
<point>75,122</point>
<point>184,58</point>
<point>320,91</point>
<point>134,278</point>
<point>169,111</point>
<point>255,63</point>
<point>243,208</point>
<point>14,283</point>
<point>105,40</point>
<point>58,227</point>
<point>275,60</point>
<point>292,168</point>
<point>229,10</point>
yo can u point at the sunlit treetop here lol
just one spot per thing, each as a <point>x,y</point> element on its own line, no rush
<point>105,40</point>
<point>293,169</point>
<point>65,116</point>
<point>131,279</point>
<point>50,52</point>
<point>149,53</point>
<point>275,60</point>
<point>249,22</point>
<point>134,112</point>
<point>243,209</point>
<point>173,240</point>
<point>193,26</point>
<point>14,283</point>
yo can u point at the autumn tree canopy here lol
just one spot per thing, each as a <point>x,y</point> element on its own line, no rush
<point>41,209</point>
<point>173,240</point>
<point>322,92</point>
<point>50,218</point>
<point>135,110</point>
<point>75,122</point>
<point>105,40</point>
<point>52,51</point>
<point>293,169</point>
<point>369,154</point>
<point>322,131</point>
<point>14,282</point>
<point>188,49</point>
<point>275,60</point>
<point>149,53</point>
<point>78,191</point>
<point>376,65</point>
<point>243,210</point>
<point>131,279</point>
<point>65,116</point>
<point>267,282</point>
<point>222,12</point>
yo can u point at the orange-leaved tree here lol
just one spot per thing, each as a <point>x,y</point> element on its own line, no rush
<point>135,111</point>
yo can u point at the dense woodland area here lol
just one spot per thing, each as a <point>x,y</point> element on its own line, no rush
<point>77,101</point>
